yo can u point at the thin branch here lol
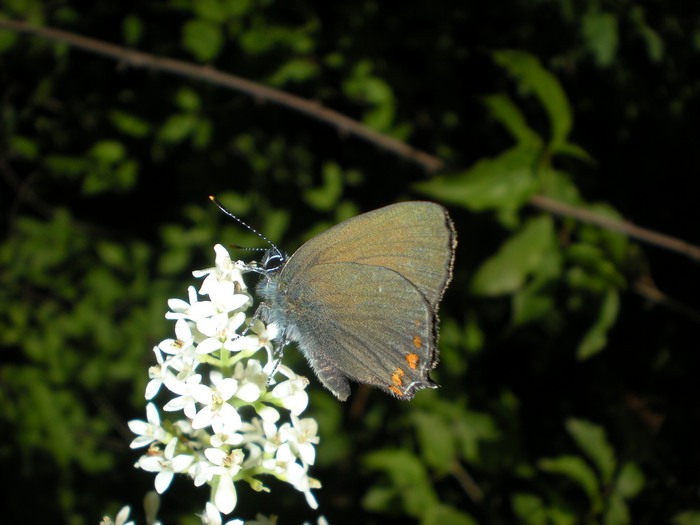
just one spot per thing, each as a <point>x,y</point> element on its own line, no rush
<point>341,122</point>
<point>629,229</point>
<point>467,482</point>
<point>646,288</point>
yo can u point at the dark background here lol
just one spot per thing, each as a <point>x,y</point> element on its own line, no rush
<point>105,171</point>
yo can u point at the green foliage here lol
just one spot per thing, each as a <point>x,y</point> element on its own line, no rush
<point>599,30</point>
<point>106,168</point>
<point>504,183</point>
<point>687,518</point>
<point>533,78</point>
<point>606,484</point>
<point>409,489</point>
<point>203,39</point>
<point>526,253</point>
<point>367,89</point>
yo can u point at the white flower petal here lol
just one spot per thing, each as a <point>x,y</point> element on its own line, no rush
<point>235,301</point>
<point>178,305</point>
<point>230,418</point>
<point>182,330</point>
<point>152,388</point>
<point>202,393</point>
<point>227,388</point>
<point>208,346</point>
<point>225,497</point>
<point>162,481</point>
<point>141,441</point>
<point>246,342</point>
<point>307,452</point>
<point>122,516</point>
<point>202,310</point>
<point>249,392</point>
<point>182,462</point>
<point>215,455</point>
<point>211,515</point>
<point>138,426</point>
<point>152,414</point>
<point>203,418</point>
<point>267,413</point>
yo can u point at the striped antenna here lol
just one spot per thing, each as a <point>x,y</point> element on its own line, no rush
<point>240,221</point>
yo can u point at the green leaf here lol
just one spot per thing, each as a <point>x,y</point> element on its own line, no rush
<point>655,46</point>
<point>211,10</point>
<point>616,512</point>
<point>372,91</point>
<point>536,299</point>
<point>533,77</point>
<point>23,147</point>
<point>563,516</point>
<point>530,509</point>
<point>326,197</point>
<point>107,151</point>
<point>517,259</point>
<point>630,480</point>
<point>202,134</point>
<point>503,182</point>
<point>615,243</point>
<point>442,514</point>
<point>600,34</point>
<point>531,304</point>
<point>7,39</point>
<point>409,482</point>
<point>471,429</point>
<point>474,337</point>
<point>509,115</point>
<point>126,175</point>
<point>237,7</point>
<point>436,439</point>
<point>132,29</point>
<point>578,471</point>
<point>203,39</point>
<point>173,261</point>
<point>177,127</point>
<point>129,124</point>
<point>591,439</point>
<point>575,151</point>
<point>689,517</point>
<point>584,254</point>
<point>295,70</point>
<point>559,186</point>
<point>596,338</point>
<point>187,100</point>
<point>112,254</point>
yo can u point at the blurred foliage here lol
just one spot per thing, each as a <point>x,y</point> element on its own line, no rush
<point>566,397</point>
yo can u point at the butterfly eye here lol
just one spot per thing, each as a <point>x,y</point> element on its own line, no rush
<point>273,260</point>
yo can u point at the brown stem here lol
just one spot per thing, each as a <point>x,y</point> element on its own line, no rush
<point>341,122</point>
<point>629,229</point>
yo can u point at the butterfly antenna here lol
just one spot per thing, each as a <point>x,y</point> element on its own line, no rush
<point>240,221</point>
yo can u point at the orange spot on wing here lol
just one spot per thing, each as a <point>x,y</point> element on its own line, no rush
<point>412,360</point>
<point>397,377</point>
<point>417,341</point>
<point>396,391</point>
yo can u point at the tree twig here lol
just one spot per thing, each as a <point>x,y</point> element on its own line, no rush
<point>341,122</point>
<point>629,229</point>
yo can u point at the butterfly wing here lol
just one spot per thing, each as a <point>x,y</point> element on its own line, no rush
<point>415,239</point>
<point>361,298</point>
<point>364,323</point>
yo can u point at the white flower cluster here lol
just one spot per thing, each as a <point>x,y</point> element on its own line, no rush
<point>232,427</point>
